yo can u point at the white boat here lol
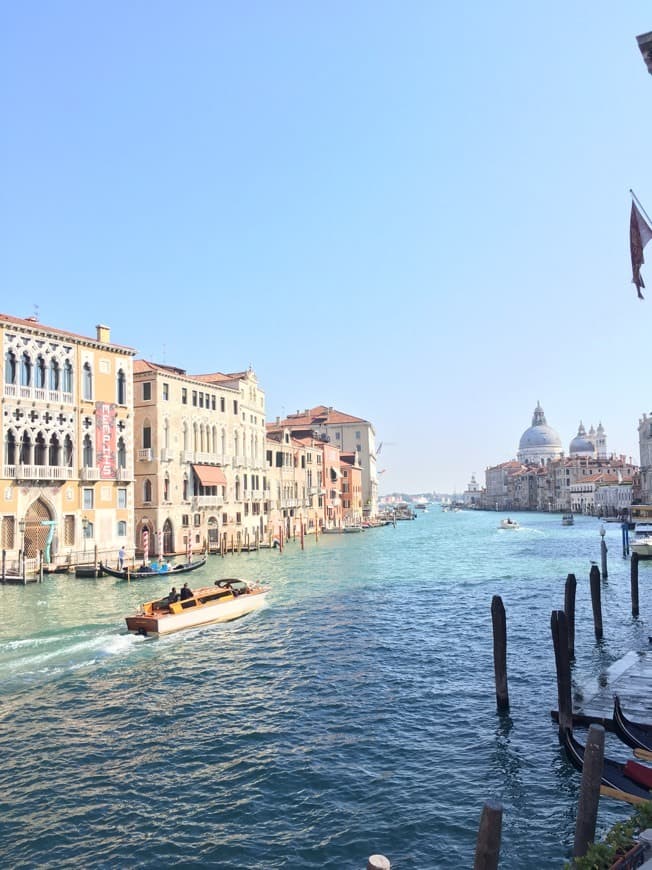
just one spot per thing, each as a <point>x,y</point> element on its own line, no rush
<point>640,541</point>
<point>227,599</point>
<point>509,524</point>
<point>352,527</point>
<point>567,519</point>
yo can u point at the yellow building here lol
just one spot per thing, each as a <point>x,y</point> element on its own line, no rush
<point>67,444</point>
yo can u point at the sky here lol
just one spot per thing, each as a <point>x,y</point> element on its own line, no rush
<point>415,212</point>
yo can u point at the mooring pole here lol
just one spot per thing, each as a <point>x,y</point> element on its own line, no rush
<point>634,582</point>
<point>559,630</point>
<point>596,602</point>
<point>569,610</point>
<point>587,808</point>
<point>487,847</point>
<point>625,530</point>
<point>499,624</point>
<point>603,553</point>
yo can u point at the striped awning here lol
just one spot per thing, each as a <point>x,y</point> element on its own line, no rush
<point>210,475</point>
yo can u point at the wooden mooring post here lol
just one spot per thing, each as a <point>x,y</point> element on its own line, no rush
<point>634,582</point>
<point>487,849</point>
<point>587,808</point>
<point>596,601</point>
<point>559,630</point>
<point>378,862</point>
<point>499,624</point>
<point>569,609</point>
<point>603,553</point>
<point>625,532</point>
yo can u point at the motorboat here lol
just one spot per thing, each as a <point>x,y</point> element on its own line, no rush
<point>567,519</point>
<point>228,599</point>
<point>640,541</point>
<point>146,572</point>
<point>352,527</point>
<point>509,524</point>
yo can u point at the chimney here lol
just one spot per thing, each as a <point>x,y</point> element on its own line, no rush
<point>103,334</point>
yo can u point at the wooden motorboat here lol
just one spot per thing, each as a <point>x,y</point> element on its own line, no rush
<point>509,524</point>
<point>634,734</point>
<point>631,779</point>
<point>227,599</point>
<point>146,572</point>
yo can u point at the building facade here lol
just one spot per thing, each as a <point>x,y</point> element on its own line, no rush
<point>68,442</point>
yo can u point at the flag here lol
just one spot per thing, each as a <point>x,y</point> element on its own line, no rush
<point>640,233</point>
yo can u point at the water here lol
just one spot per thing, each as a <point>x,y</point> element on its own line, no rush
<point>355,714</point>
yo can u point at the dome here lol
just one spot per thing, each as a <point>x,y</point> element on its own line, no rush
<point>582,444</point>
<point>540,442</point>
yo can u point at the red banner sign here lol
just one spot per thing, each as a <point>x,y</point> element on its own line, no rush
<point>105,439</point>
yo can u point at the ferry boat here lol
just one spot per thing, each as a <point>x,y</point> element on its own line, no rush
<point>227,599</point>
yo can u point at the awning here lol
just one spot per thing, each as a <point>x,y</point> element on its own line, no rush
<point>210,475</point>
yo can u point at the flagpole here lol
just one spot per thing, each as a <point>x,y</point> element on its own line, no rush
<point>640,207</point>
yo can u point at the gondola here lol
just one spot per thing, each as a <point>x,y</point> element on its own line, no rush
<point>634,734</point>
<point>142,574</point>
<point>626,778</point>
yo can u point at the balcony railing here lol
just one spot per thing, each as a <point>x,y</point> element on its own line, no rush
<point>166,454</point>
<point>145,454</point>
<point>89,473</point>
<point>210,501</point>
<point>37,394</point>
<point>38,472</point>
<point>122,474</point>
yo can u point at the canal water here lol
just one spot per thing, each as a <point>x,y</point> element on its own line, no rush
<point>355,714</point>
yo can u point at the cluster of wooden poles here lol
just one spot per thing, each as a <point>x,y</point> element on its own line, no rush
<point>562,626</point>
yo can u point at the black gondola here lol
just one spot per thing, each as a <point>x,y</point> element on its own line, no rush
<point>141,574</point>
<point>634,734</point>
<point>614,773</point>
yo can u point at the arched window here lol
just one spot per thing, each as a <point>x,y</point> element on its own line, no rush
<point>67,451</point>
<point>87,452</point>
<point>25,370</point>
<point>25,448</point>
<point>185,487</point>
<point>237,489</point>
<point>10,449</point>
<point>54,451</point>
<point>122,453</point>
<point>40,450</point>
<point>39,374</point>
<point>87,381</point>
<point>121,388</point>
<point>166,489</point>
<point>10,367</point>
<point>147,490</point>
<point>55,375</point>
<point>67,377</point>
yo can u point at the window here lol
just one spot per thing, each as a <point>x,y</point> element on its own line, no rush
<point>87,529</point>
<point>337,436</point>
<point>357,436</point>
<point>222,404</point>
<point>147,391</point>
<point>55,375</point>
<point>67,377</point>
<point>87,456</point>
<point>25,370</point>
<point>196,519</point>
<point>184,395</point>
<point>166,489</point>
<point>10,369</point>
<point>166,392</point>
<point>69,530</point>
<point>40,373</point>
<point>201,400</point>
<point>122,453</point>
<point>194,398</point>
<point>147,437</point>
<point>147,490</point>
<point>213,403</point>
<point>235,406</point>
<point>185,521</point>
<point>88,498</point>
<point>122,529</point>
<point>87,382</point>
<point>122,498</point>
<point>225,519</point>
<point>238,518</point>
<point>121,387</point>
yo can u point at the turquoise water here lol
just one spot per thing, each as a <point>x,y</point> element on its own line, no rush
<point>355,714</point>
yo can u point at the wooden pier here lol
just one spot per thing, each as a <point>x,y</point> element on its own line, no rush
<point>630,678</point>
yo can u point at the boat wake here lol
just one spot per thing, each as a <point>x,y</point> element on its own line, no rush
<point>33,660</point>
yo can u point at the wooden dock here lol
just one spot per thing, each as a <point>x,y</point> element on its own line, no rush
<point>630,678</point>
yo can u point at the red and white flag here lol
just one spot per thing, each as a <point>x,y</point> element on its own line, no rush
<point>640,233</point>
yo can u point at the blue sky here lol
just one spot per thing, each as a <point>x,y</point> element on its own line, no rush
<point>415,212</point>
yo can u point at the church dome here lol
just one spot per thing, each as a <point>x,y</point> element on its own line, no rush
<point>540,442</point>
<point>582,445</point>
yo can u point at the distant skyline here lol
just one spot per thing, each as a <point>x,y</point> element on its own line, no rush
<point>415,213</point>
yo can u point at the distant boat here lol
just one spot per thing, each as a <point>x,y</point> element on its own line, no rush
<point>567,519</point>
<point>641,541</point>
<point>509,524</point>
